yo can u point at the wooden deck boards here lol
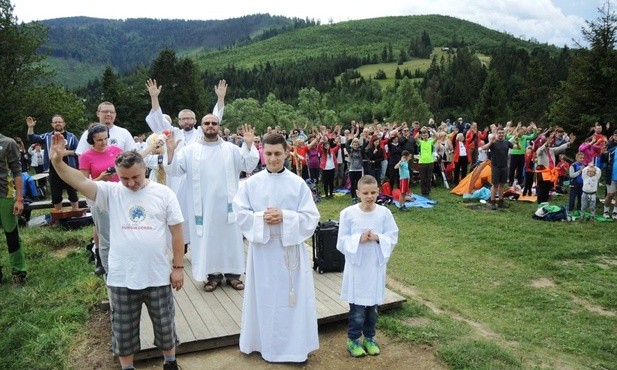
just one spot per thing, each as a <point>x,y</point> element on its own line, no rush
<point>211,320</point>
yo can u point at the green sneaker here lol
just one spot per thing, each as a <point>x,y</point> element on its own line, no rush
<point>372,348</point>
<point>354,348</point>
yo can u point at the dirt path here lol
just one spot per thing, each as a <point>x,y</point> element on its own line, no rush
<point>94,354</point>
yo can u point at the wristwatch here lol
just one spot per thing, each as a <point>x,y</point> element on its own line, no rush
<point>19,199</point>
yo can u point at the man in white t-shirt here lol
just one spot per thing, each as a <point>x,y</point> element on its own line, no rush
<point>118,136</point>
<point>142,214</point>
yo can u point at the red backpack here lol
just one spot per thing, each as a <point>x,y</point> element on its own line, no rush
<point>385,188</point>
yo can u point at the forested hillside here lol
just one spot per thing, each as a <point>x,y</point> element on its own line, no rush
<point>79,48</point>
<point>363,38</point>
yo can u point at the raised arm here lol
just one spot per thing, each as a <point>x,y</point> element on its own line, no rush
<point>220,90</point>
<point>70,175</point>
<point>155,119</point>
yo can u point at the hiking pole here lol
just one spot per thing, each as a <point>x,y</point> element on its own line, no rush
<point>443,174</point>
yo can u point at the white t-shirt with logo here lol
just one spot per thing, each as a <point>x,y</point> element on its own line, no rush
<point>139,228</point>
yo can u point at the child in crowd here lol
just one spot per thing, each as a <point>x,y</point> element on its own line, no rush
<point>591,177</point>
<point>482,154</point>
<point>367,235</point>
<point>576,182</point>
<point>530,168</point>
<point>563,168</point>
<point>403,170</point>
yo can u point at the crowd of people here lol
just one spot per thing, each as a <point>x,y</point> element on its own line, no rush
<point>179,189</point>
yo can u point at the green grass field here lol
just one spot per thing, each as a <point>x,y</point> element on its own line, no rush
<point>370,70</point>
<point>491,289</point>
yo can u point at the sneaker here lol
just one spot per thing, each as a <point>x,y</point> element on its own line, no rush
<point>403,209</point>
<point>171,366</point>
<point>493,205</point>
<point>607,215</point>
<point>614,216</point>
<point>19,278</point>
<point>372,348</point>
<point>354,348</point>
<point>502,204</point>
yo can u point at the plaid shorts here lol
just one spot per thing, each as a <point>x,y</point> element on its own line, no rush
<point>126,312</point>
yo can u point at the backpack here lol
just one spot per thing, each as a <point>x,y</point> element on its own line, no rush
<point>385,188</point>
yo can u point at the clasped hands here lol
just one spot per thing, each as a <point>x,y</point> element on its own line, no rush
<point>368,235</point>
<point>273,216</point>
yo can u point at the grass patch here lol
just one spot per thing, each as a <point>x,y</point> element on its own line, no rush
<point>41,321</point>
<point>491,289</point>
<point>478,266</point>
<point>478,354</point>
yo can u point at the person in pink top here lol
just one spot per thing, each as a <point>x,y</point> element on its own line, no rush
<point>98,163</point>
<point>591,148</point>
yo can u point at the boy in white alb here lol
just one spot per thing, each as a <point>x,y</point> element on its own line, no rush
<point>591,176</point>
<point>367,235</point>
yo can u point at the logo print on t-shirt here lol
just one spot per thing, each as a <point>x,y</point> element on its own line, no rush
<point>137,214</point>
<point>113,141</point>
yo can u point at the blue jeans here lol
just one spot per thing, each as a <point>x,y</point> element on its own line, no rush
<point>362,321</point>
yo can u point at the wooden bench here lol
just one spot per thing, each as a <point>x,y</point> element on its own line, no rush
<point>46,204</point>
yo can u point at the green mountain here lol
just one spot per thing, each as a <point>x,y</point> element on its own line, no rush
<point>361,38</point>
<point>79,48</point>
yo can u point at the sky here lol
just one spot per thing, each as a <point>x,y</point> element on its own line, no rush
<point>556,22</point>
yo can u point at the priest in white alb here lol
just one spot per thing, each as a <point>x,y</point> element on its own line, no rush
<point>276,212</point>
<point>186,134</point>
<point>212,167</point>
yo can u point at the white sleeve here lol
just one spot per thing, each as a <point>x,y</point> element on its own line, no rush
<point>157,122</point>
<point>83,145</point>
<point>299,224</point>
<point>251,223</point>
<point>388,238</point>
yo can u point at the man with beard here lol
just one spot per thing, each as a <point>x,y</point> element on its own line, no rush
<point>212,167</point>
<point>55,182</point>
<point>186,134</point>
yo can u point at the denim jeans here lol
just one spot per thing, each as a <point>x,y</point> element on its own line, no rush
<point>362,321</point>
<point>219,277</point>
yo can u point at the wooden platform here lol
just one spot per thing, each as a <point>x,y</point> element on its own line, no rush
<point>212,320</point>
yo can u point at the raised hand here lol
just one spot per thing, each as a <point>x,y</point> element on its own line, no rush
<point>31,122</point>
<point>153,89</point>
<point>248,134</point>
<point>57,148</point>
<point>221,89</point>
<point>171,142</point>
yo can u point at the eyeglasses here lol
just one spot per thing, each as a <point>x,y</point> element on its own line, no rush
<point>212,123</point>
<point>187,118</point>
<point>106,111</point>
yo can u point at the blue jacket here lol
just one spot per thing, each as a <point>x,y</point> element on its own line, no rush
<point>71,144</point>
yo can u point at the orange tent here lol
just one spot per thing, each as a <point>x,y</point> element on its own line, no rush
<point>481,175</point>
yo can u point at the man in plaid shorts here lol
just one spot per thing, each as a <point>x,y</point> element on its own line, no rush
<point>143,214</point>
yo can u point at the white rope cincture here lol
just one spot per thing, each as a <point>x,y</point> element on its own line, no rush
<point>292,261</point>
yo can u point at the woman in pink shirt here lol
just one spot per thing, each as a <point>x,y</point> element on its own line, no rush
<point>98,163</point>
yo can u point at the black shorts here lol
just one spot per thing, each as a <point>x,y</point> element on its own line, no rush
<point>499,175</point>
